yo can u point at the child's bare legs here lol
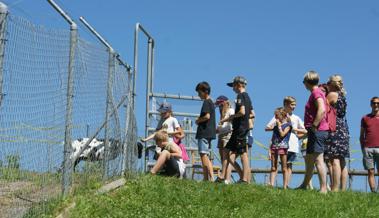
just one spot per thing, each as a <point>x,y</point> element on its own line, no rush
<point>226,169</point>
<point>163,157</point>
<point>289,173</point>
<point>274,168</point>
<point>283,158</point>
<point>207,167</point>
<point>245,166</point>
<point>232,162</point>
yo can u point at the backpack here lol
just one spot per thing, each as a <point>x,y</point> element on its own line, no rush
<point>182,148</point>
<point>331,116</point>
<point>331,112</point>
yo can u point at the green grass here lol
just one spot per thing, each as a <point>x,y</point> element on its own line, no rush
<point>168,197</point>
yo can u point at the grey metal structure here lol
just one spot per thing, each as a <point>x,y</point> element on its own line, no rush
<point>150,84</point>
<point>3,20</point>
<point>67,164</point>
<point>112,56</point>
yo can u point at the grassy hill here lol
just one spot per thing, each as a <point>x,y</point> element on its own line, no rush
<point>167,197</point>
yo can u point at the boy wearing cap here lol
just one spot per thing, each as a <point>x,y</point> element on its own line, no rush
<point>206,129</point>
<point>242,121</point>
<point>167,122</point>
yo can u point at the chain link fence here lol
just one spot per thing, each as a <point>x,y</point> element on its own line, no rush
<point>33,107</point>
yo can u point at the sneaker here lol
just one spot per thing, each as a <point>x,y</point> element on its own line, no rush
<point>219,180</point>
<point>241,181</point>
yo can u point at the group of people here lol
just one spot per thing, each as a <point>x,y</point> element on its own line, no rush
<point>324,135</point>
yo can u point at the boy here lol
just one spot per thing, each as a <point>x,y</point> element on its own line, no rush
<point>369,139</point>
<point>242,121</point>
<point>206,129</point>
<point>170,158</point>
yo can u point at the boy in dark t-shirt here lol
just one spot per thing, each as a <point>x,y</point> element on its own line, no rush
<point>206,129</point>
<point>243,121</point>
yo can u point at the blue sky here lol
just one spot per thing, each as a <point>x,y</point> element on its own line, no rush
<point>271,43</point>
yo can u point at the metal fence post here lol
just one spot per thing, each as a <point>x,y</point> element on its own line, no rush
<point>148,89</point>
<point>127,125</point>
<point>111,68</point>
<point>3,23</point>
<point>67,163</point>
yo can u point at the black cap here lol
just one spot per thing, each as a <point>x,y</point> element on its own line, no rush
<point>237,79</point>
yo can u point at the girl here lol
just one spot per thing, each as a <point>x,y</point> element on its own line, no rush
<point>224,131</point>
<point>279,145</point>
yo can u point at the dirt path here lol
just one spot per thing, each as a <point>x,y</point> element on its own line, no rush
<point>17,197</point>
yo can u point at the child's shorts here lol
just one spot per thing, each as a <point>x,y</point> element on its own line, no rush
<point>278,151</point>
<point>238,142</point>
<point>204,146</point>
<point>223,140</point>
<point>291,157</point>
<point>174,167</point>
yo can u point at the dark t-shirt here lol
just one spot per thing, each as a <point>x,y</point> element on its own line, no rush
<point>241,124</point>
<point>207,129</point>
<point>371,125</point>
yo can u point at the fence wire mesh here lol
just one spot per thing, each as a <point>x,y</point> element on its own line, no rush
<point>33,113</point>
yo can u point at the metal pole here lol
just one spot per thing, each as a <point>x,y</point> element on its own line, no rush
<point>149,72</point>
<point>148,90</point>
<point>111,68</point>
<point>178,97</point>
<point>67,164</point>
<point>135,71</point>
<point>127,125</point>
<point>3,23</point>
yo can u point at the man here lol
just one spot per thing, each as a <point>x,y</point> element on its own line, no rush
<point>369,139</point>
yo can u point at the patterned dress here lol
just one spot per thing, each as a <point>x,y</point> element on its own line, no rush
<point>338,145</point>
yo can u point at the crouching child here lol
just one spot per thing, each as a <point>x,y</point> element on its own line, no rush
<point>170,162</point>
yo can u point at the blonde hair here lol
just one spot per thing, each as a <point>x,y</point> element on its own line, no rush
<point>337,82</point>
<point>311,77</point>
<point>161,136</point>
<point>225,109</point>
<point>288,100</point>
<point>282,114</point>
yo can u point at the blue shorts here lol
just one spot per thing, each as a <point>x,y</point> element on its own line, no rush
<point>204,146</point>
<point>317,141</point>
<point>291,157</point>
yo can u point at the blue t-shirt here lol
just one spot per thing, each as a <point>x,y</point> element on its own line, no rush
<point>281,142</point>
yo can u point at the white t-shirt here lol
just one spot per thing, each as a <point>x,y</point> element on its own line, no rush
<point>171,123</point>
<point>226,127</point>
<point>296,123</point>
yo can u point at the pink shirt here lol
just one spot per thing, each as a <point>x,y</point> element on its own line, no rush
<point>311,110</point>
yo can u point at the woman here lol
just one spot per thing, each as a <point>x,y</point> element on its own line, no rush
<point>224,131</point>
<point>318,130</point>
<point>338,147</point>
